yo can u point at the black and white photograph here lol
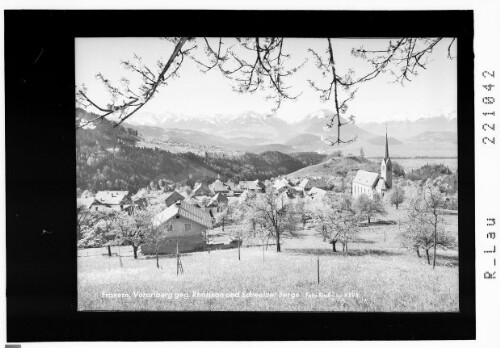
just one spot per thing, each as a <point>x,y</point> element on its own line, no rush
<point>267,174</point>
<point>250,174</point>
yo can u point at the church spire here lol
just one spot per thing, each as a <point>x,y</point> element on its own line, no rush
<point>386,144</point>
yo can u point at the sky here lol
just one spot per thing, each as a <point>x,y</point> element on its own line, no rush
<point>431,93</point>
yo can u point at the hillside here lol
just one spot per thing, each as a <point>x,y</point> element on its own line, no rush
<point>108,158</point>
<point>336,166</point>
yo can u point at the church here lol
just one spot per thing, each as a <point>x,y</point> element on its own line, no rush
<point>369,183</point>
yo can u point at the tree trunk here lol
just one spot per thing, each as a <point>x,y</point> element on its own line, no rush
<point>278,246</point>
<point>157,258</point>
<point>135,251</point>
<point>239,247</point>
<point>397,206</point>
<point>222,224</point>
<point>428,258</point>
<point>418,252</point>
<point>435,241</point>
<point>334,242</point>
<point>368,219</point>
<point>109,251</point>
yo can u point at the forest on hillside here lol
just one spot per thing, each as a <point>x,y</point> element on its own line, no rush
<point>107,159</point>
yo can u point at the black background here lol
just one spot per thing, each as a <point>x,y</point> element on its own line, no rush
<point>40,177</point>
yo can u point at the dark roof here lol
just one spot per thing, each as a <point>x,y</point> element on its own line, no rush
<point>173,197</point>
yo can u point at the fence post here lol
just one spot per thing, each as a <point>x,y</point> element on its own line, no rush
<point>318,269</point>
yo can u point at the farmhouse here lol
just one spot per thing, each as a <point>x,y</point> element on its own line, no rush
<point>369,183</point>
<point>113,200</point>
<point>89,203</point>
<point>184,224</point>
<point>173,197</point>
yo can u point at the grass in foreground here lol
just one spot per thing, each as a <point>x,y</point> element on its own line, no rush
<point>376,276</point>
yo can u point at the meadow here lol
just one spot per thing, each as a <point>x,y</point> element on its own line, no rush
<point>377,275</point>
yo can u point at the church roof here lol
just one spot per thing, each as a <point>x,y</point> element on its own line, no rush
<point>366,178</point>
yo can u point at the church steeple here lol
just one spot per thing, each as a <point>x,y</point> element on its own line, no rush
<point>386,165</point>
<point>386,144</point>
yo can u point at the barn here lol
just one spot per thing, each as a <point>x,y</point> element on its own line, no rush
<point>185,224</point>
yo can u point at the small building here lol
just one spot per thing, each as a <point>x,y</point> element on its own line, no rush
<point>173,197</point>
<point>184,225</point>
<point>219,187</point>
<point>217,200</point>
<point>201,189</point>
<point>317,193</point>
<point>89,203</point>
<point>114,200</point>
<point>308,183</point>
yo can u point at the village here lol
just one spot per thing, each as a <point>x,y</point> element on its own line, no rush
<point>376,217</point>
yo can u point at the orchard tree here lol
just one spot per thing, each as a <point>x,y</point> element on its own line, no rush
<point>425,223</point>
<point>397,196</point>
<point>127,232</point>
<point>339,220</point>
<point>262,63</point>
<point>96,230</point>
<point>276,213</point>
<point>155,232</point>
<point>370,207</point>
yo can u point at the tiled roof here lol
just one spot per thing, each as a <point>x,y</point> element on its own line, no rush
<point>186,210</point>
<point>366,178</point>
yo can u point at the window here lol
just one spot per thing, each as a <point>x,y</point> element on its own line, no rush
<point>187,227</point>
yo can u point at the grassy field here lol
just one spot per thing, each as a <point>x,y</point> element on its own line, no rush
<point>377,275</point>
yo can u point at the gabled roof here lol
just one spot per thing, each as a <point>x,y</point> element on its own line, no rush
<point>200,189</point>
<point>173,197</point>
<point>251,185</point>
<point>86,202</point>
<point>186,210</point>
<point>218,186</point>
<point>112,197</point>
<point>218,198</point>
<point>315,192</point>
<point>366,178</point>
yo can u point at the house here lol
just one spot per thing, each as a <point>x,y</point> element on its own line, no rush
<point>281,185</point>
<point>114,200</point>
<point>370,183</point>
<point>219,187</point>
<point>185,225</point>
<point>234,189</point>
<point>173,197</point>
<point>317,193</point>
<point>308,183</point>
<point>254,186</point>
<point>140,203</point>
<point>201,189</point>
<point>217,200</point>
<point>89,203</point>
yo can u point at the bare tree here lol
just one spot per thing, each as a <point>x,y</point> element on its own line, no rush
<point>260,63</point>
